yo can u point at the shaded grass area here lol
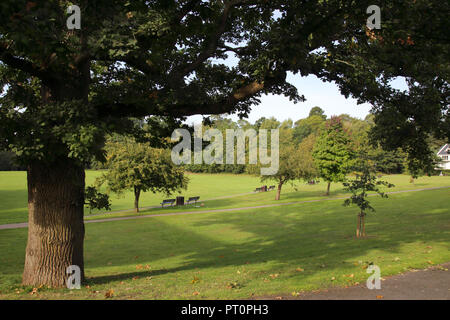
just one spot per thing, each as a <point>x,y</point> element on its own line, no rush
<point>13,194</point>
<point>269,251</point>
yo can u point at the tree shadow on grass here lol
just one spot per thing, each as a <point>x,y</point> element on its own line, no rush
<point>314,235</point>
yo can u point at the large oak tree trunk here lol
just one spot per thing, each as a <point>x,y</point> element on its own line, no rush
<point>55,222</point>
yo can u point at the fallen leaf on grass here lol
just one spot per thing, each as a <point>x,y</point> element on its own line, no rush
<point>274,276</point>
<point>34,291</point>
<point>299,269</point>
<point>195,280</point>
<point>195,293</point>
<point>109,293</point>
<point>233,285</point>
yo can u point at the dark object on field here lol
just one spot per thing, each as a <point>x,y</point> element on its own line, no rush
<point>271,188</point>
<point>192,199</point>
<point>313,181</point>
<point>262,189</point>
<point>180,201</point>
<point>167,201</point>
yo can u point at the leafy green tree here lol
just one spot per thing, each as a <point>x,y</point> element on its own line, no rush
<point>64,90</point>
<point>364,182</point>
<point>140,168</point>
<point>332,152</point>
<point>96,200</point>
<point>305,127</point>
<point>317,111</point>
<point>295,161</point>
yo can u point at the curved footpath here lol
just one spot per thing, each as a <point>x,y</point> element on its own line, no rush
<point>25,224</point>
<point>430,284</point>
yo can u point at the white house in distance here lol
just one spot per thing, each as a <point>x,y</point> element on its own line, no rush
<point>444,154</point>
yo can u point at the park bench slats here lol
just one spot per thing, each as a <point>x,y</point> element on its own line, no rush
<point>171,202</point>
<point>192,199</point>
<point>168,202</point>
<point>264,188</point>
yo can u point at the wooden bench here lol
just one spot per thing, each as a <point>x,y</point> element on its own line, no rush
<point>168,201</point>
<point>271,188</point>
<point>192,199</point>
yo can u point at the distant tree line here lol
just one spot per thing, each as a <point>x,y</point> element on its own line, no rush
<point>387,162</point>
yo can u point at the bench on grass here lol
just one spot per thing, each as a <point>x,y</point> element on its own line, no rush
<point>192,199</point>
<point>167,202</point>
<point>258,190</point>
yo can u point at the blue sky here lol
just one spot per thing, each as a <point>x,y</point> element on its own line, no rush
<point>317,93</point>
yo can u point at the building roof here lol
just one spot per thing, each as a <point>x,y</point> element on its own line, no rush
<point>444,151</point>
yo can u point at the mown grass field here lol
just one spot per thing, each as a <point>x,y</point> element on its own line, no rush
<point>248,253</point>
<point>13,194</point>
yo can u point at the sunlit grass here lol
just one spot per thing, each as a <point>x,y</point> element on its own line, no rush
<point>268,251</point>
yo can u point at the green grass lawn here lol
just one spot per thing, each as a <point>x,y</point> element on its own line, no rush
<point>13,193</point>
<point>271,251</point>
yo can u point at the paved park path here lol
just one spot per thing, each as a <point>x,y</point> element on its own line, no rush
<point>429,284</point>
<point>25,224</point>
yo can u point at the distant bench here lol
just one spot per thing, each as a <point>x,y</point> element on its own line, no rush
<point>192,199</point>
<point>263,189</point>
<point>168,202</point>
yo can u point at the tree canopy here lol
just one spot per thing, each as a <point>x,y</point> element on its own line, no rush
<point>333,154</point>
<point>295,161</point>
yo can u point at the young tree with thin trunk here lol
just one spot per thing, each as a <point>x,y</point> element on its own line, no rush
<point>64,89</point>
<point>140,168</point>
<point>365,181</point>
<point>332,152</point>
